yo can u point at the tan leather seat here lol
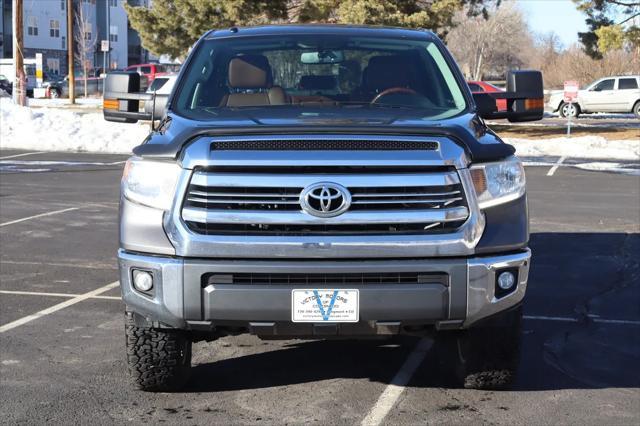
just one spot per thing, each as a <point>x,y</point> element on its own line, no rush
<point>250,81</point>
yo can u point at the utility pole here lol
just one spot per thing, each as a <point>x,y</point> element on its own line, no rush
<point>108,52</point>
<point>20,90</point>
<point>70,56</point>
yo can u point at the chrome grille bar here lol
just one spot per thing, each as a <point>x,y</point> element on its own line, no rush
<point>203,215</point>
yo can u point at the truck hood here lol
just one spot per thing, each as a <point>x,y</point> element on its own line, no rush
<point>466,130</point>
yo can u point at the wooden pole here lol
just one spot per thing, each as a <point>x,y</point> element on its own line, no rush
<point>70,55</point>
<point>20,89</point>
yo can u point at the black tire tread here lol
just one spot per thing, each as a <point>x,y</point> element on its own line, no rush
<point>484,358</point>
<point>159,360</point>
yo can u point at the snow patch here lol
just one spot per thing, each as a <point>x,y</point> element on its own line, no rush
<point>48,129</point>
<point>578,147</point>
<point>57,129</point>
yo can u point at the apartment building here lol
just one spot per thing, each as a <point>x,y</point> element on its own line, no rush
<point>45,31</point>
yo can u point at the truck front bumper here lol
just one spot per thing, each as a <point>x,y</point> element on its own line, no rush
<point>182,297</point>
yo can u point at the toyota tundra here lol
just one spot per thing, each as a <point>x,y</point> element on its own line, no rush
<point>323,182</point>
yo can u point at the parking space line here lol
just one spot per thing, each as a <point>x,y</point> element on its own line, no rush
<point>61,264</point>
<point>69,295</point>
<point>21,155</point>
<point>553,169</point>
<point>392,392</point>
<point>546,318</point>
<point>615,321</point>
<point>59,306</point>
<point>39,215</point>
<point>591,318</point>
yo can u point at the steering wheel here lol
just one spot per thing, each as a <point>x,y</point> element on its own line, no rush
<point>391,90</point>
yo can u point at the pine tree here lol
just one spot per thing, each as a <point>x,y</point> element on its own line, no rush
<point>170,27</point>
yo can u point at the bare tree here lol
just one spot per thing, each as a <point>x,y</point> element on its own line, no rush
<point>492,44</point>
<point>85,40</point>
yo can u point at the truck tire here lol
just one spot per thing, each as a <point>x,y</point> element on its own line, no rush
<point>569,110</point>
<point>484,357</point>
<point>159,359</point>
<point>636,109</point>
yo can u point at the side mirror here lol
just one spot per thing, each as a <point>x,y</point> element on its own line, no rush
<point>121,101</point>
<point>524,95</point>
<point>597,89</point>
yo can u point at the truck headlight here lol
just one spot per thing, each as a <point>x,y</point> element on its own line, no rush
<point>499,182</point>
<point>150,183</point>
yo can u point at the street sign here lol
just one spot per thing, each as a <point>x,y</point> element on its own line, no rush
<point>39,73</point>
<point>571,91</point>
<point>104,45</point>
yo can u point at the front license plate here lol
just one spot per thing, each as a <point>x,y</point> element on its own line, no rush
<point>322,305</point>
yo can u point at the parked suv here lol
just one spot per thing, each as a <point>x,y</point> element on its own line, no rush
<point>271,201</point>
<point>619,94</point>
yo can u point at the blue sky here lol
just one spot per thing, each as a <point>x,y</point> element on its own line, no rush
<point>559,16</point>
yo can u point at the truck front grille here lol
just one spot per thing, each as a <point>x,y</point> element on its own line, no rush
<point>270,203</point>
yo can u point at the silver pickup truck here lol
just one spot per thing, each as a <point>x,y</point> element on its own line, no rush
<point>323,182</point>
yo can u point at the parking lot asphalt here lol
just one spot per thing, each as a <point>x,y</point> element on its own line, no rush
<point>65,362</point>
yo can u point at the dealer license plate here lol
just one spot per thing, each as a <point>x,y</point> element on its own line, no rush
<point>325,305</point>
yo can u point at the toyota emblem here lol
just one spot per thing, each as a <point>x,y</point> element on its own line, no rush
<point>325,199</point>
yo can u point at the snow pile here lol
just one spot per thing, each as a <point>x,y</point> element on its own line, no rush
<point>64,103</point>
<point>59,129</point>
<point>578,147</point>
<point>49,129</point>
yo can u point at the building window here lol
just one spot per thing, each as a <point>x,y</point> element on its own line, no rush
<point>87,32</point>
<point>113,33</point>
<point>54,28</point>
<point>89,1</point>
<point>62,4</point>
<point>32,26</point>
<point>53,65</point>
<point>64,42</point>
<point>113,3</point>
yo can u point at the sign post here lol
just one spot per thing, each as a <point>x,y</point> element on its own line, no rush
<point>39,91</point>
<point>571,88</point>
<point>104,48</point>
<point>39,71</point>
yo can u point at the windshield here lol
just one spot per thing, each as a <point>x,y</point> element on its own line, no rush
<point>318,71</point>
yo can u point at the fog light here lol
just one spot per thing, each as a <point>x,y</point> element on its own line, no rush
<point>506,280</point>
<point>142,280</point>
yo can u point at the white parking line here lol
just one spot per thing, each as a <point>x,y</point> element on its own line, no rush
<point>21,155</point>
<point>69,295</point>
<point>39,215</point>
<point>591,318</point>
<point>545,318</point>
<point>62,265</point>
<point>553,169</point>
<point>393,391</point>
<point>59,306</point>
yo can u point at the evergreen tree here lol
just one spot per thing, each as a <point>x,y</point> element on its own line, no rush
<point>604,33</point>
<point>170,27</point>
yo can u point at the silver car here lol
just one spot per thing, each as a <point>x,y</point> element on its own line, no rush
<point>619,94</point>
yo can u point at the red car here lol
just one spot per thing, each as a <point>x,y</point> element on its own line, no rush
<point>482,87</point>
<point>149,70</point>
